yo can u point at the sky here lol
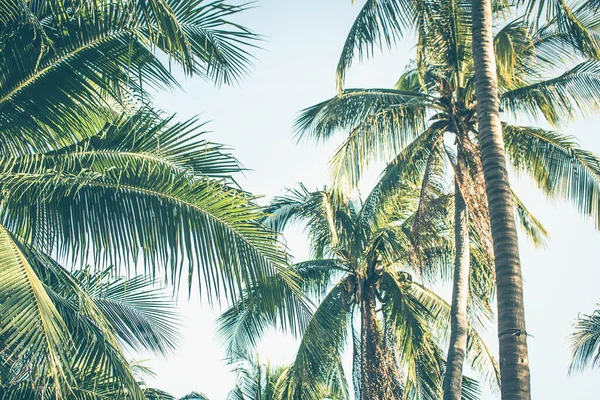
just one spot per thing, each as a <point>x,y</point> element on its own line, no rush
<point>295,69</point>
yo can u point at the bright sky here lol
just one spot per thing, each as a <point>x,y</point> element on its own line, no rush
<point>296,69</point>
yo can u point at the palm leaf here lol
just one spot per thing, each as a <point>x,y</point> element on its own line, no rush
<point>320,349</point>
<point>557,164</point>
<point>31,323</point>
<point>585,343</point>
<point>379,23</point>
<point>559,99</point>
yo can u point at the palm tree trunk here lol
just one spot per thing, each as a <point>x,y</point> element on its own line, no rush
<point>460,295</point>
<point>514,361</point>
<point>371,344</point>
<point>379,372</point>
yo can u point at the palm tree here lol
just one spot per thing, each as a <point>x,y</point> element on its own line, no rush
<point>103,316</point>
<point>363,252</point>
<point>436,97</point>
<point>585,343</point>
<point>512,333</point>
<point>89,171</point>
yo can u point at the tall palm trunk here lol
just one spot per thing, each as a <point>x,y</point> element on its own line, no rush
<point>514,361</point>
<point>379,372</point>
<point>460,295</point>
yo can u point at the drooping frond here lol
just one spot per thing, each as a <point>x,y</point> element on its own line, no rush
<point>326,215</point>
<point>143,138</point>
<point>410,313</point>
<point>321,347</point>
<point>218,47</point>
<point>559,99</point>
<point>572,21</point>
<point>409,165</point>
<point>91,356</point>
<point>271,303</point>
<point>558,166</point>
<point>380,122</point>
<point>471,389</point>
<point>533,228</point>
<point>142,316</point>
<point>585,343</point>
<point>382,108</point>
<point>515,50</point>
<point>31,327</point>
<point>379,23</point>
<point>317,275</point>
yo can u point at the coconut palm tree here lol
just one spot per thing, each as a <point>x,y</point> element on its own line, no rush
<point>585,343</point>
<point>512,332</point>
<point>89,171</point>
<point>104,316</point>
<point>435,97</point>
<point>364,253</point>
<point>383,23</point>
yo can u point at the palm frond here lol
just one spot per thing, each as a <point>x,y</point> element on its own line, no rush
<point>572,21</point>
<point>132,197</point>
<point>515,49</point>
<point>317,275</point>
<point>324,213</point>
<point>271,303</point>
<point>558,166</point>
<point>530,224</point>
<point>96,360</point>
<point>559,99</point>
<point>30,321</point>
<point>585,343</point>
<point>380,23</point>
<point>143,317</point>
<point>355,107</point>
<point>410,318</point>
<point>321,347</point>
<point>66,71</point>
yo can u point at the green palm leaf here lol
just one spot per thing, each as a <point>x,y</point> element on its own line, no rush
<point>162,206</point>
<point>560,99</point>
<point>30,321</point>
<point>320,348</point>
<point>585,343</point>
<point>557,164</point>
<point>379,23</point>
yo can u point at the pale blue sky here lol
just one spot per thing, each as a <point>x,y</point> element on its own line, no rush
<point>296,69</point>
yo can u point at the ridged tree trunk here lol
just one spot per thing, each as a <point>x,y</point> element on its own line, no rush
<point>379,373</point>
<point>460,295</point>
<point>512,336</point>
